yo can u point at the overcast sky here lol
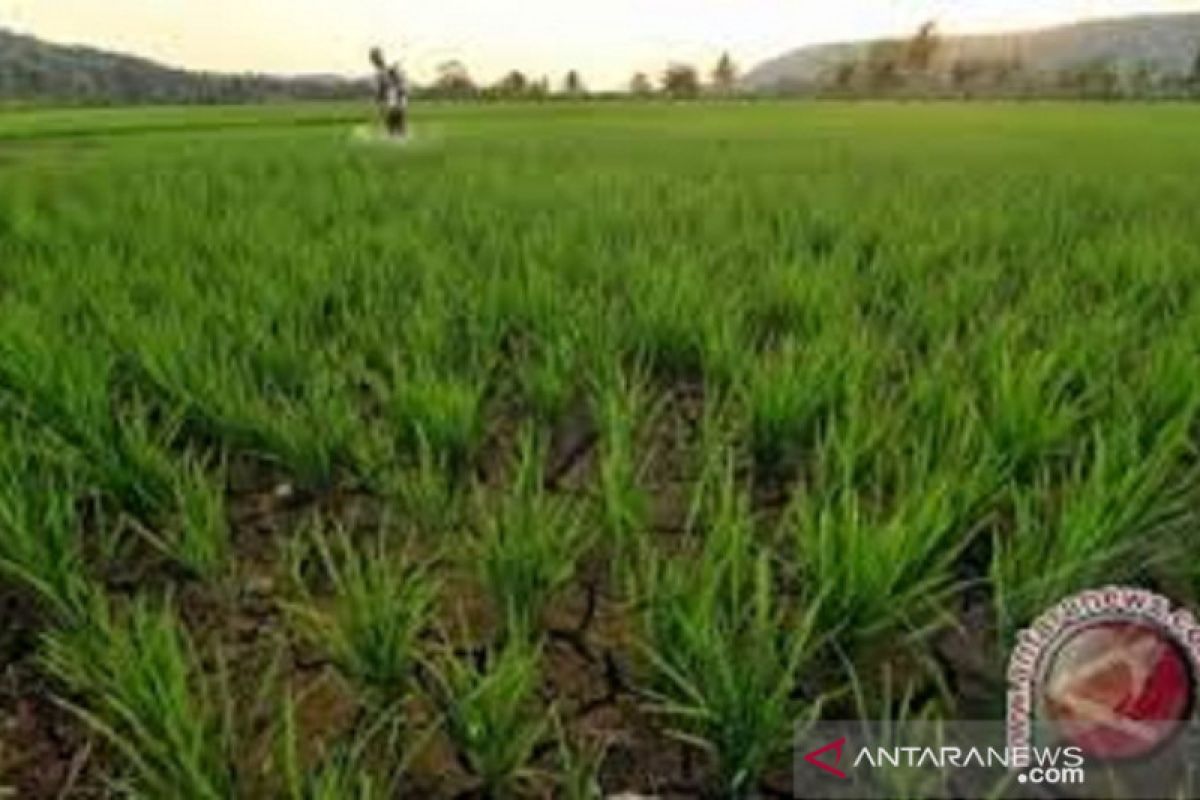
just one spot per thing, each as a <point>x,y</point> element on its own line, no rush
<point>606,39</point>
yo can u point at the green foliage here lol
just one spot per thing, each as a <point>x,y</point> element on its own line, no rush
<point>528,546</point>
<point>726,647</point>
<point>39,539</point>
<point>199,539</point>
<point>440,415</point>
<point>371,624</point>
<point>892,568</point>
<point>340,775</point>
<point>624,505</point>
<point>1128,506</point>
<point>490,712</point>
<point>143,688</point>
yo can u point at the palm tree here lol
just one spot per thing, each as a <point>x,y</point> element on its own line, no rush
<point>573,83</point>
<point>724,74</point>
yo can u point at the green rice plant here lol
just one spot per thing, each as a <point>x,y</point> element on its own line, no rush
<point>337,779</point>
<point>726,647</point>
<point>1120,508</point>
<point>203,543</point>
<point>621,409</point>
<point>198,540</point>
<point>890,721</point>
<point>141,470</point>
<point>371,624</point>
<point>676,331</point>
<point>141,686</point>
<point>855,441</point>
<point>428,493</point>
<point>892,568</point>
<point>789,393</point>
<point>550,378</point>
<point>209,379</point>
<point>39,533</point>
<point>340,775</point>
<point>491,713</point>
<point>528,545</point>
<point>1029,406</point>
<point>68,391</point>
<point>579,764</point>
<point>439,412</point>
<point>790,300</point>
<point>1159,391</point>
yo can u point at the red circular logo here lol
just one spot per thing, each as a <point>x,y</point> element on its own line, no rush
<point>1118,689</point>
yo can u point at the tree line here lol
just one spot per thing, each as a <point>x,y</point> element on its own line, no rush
<point>918,67</point>
<point>679,80</point>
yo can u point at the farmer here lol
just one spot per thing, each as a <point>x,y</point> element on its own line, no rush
<point>391,92</point>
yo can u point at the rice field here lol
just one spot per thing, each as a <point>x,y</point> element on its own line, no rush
<point>568,450</point>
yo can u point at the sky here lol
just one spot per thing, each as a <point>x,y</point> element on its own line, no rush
<point>606,40</point>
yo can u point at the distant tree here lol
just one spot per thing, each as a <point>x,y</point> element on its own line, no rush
<point>724,74</point>
<point>1096,79</point>
<point>882,68</point>
<point>844,74</point>
<point>453,79</point>
<point>1140,79</point>
<point>920,49</point>
<point>681,80</point>
<point>640,85</point>
<point>986,76</point>
<point>1195,76</point>
<point>514,84</point>
<point>540,88</point>
<point>573,83</point>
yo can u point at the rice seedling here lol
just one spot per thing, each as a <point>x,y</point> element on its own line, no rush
<point>725,647</point>
<point>791,392</point>
<point>889,720</point>
<point>676,332</point>
<point>528,545</point>
<point>550,378</point>
<point>624,504</point>
<point>579,765</point>
<point>140,686</point>
<point>39,541</point>
<point>1117,500</point>
<point>491,713</point>
<point>70,396</point>
<point>212,385</point>
<point>439,413</point>
<point>891,568</point>
<point>428,494</point>
<point>1030,410</point>
<point>339,775</point>
<point>198,539</point>
<point>371,624</point>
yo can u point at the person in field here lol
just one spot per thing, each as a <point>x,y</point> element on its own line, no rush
<point>391,93</point>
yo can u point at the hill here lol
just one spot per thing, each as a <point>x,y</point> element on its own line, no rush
<point>1165,46</point>
<point>32,69</point>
